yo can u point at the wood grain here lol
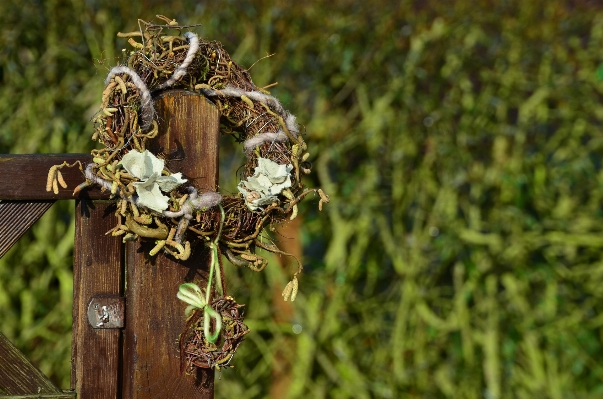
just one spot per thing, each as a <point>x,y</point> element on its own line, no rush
<point>62,395</point>
<point>189,134</point>
<point>97,270</point>
<point>16,217</point>
<point>23,177</point>
<point>18,376</point>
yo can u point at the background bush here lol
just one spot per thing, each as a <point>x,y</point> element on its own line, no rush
<point>460,142</point>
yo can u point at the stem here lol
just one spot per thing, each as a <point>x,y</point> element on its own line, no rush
<point>209,280</point>
<point>222,217</point>
<point>214,260</point>
<point>215,266</point>
<point>215,254</point>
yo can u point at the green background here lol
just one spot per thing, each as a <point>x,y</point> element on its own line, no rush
<point>460,142</point>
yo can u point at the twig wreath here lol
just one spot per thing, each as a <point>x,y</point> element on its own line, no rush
<point>156,203</point>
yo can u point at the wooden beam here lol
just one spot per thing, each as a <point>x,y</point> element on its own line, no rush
<point>62,395</point>
<point>97,271</point>
<point>188,135</point>
<point>18,376</point>
<point>23,177</point>
<point>16,217</point>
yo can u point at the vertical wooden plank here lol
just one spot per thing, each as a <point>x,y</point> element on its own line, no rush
<point>189,134</point>
<point>97,270</point>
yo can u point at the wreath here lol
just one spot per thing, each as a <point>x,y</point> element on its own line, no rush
<point>159,204</point>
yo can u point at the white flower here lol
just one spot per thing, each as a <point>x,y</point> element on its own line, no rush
<point>268,180</point>
<point>147,168</point>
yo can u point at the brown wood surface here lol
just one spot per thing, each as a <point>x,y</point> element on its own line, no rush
<point>23,177</point>
<point>62,395</point>
<point>189,133</point>
<point>98,270</point>
<point>16,217</point>
<point>18,376</point>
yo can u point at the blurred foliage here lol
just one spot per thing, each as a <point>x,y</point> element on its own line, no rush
<point>461,144</point>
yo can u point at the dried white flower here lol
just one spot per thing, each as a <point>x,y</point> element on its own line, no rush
<point>268,180</point>
<point>148,168</point>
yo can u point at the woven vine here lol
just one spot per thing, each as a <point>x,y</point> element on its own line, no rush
<point>159,204</point>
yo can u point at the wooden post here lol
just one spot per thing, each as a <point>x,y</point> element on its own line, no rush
<point>188,137</point>
<point>97,271</point>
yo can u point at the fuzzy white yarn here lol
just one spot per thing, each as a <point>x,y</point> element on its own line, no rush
<point>190,56</point>
<point>251,143</point>
<point>258,96</point>
<point>147,112</point>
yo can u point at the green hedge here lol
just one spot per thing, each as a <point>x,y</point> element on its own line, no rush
<point>462,147</point>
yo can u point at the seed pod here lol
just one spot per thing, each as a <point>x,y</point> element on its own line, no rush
<point>124,204</point>
<point>109,111</point>
<point>135,44</point>
<point>324,197</point>
<point>247,101</point>
<point>294,212</point>
<point>177,246</point>
<point>157,247</point>
<point>287,291</point>
<point>295,288</point>
<point>129,237</point>
<point>134,209</point>
<point>60,179</point>
<point>114,187</point>
<point>187,251</point>
<point>143,219</point>
<point>50,178</point>
<point>121,83</point>
<point>287,193</point>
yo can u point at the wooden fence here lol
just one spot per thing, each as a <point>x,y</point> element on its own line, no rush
<point>126,317</point>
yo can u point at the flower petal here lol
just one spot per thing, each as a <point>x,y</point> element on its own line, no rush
<point>150,196</point>
<point>272,170</point>
<point>253,184</point>
<point>168,183</point>
<point>142,165</point>
<point>157,164</point>
<point>277,188</point>
<point>269,180</point>
<point>263,201</point>
<point>133,163</point>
